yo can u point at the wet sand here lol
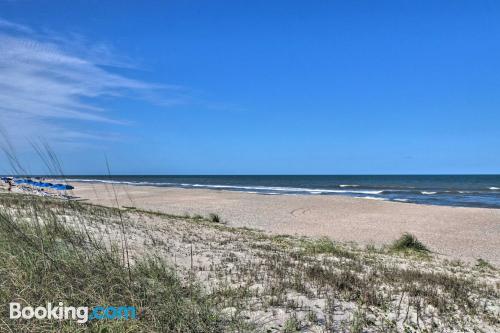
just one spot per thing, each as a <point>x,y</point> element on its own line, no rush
<point>455,232</point>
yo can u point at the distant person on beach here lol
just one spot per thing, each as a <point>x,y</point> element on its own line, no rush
<point>9,182</point>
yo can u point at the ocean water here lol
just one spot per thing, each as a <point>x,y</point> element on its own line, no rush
<point>449,190</point>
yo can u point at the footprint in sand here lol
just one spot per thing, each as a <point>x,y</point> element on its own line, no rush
<point>299,211</point>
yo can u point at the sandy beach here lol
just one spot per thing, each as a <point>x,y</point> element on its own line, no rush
<point>454,232</point>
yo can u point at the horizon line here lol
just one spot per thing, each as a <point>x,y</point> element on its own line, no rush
<point>252,175</point>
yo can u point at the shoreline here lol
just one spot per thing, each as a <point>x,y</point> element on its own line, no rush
<point>463,233</point>
<point>451,195</point>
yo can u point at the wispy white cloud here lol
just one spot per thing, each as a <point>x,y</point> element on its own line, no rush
<point>49,82</point>
<point>4,24</point>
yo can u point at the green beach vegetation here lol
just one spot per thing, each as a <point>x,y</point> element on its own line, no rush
<point>46,260</point>
<point>189,274</point>
<point>408,243</point>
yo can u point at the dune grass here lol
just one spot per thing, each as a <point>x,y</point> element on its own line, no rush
<point>408,243</point>
<point>51,262</point>
<point>483,264</point>
<point>214,218</point>
<point>325,245</point>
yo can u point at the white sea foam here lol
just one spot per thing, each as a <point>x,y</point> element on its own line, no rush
<point>402,200</point>
<point>347,185</point>
<point>493,188</point>
<point>284,189</point>
<point>373,198</point>
<point>424,192</point>
<point>117,182</point>
<point>274,189</point>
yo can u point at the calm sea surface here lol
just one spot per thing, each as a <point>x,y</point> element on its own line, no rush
<point>452,190</point>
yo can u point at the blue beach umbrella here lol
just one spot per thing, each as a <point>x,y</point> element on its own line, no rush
<point>59,187</point>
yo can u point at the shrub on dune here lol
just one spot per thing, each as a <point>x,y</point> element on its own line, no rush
<point>408,242</point>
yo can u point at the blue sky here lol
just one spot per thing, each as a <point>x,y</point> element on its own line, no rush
<point>261,87</point>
